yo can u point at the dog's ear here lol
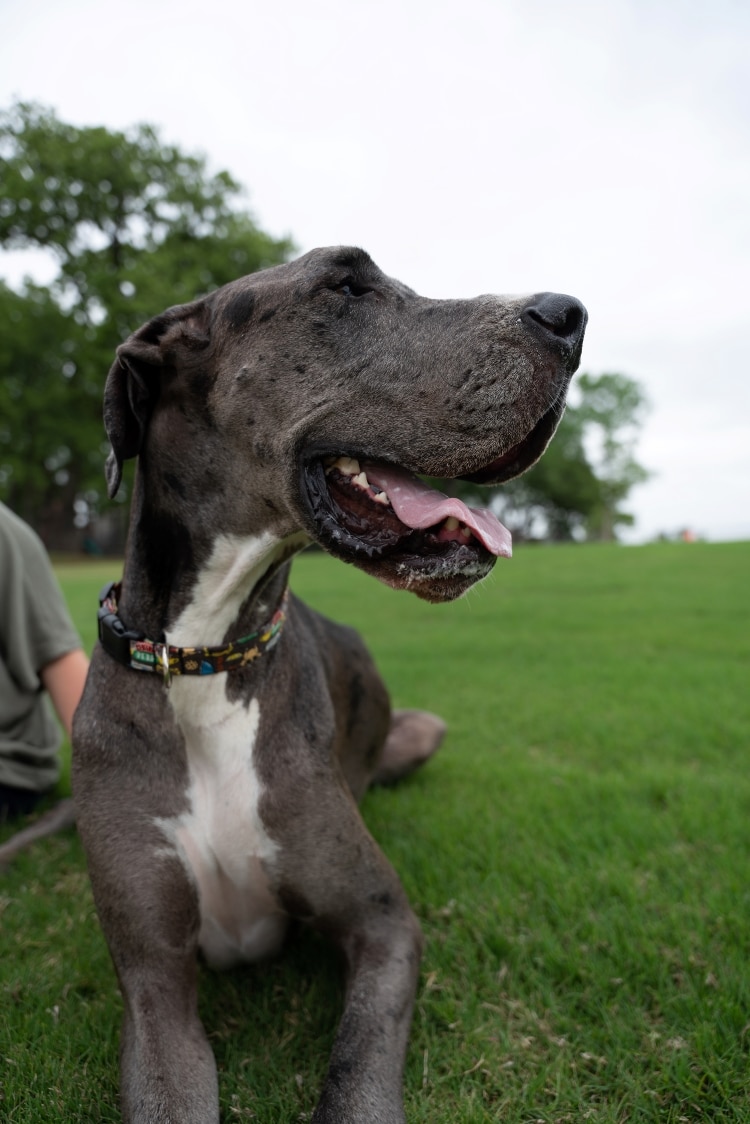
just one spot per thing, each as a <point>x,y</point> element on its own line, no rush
<point>134,379</point>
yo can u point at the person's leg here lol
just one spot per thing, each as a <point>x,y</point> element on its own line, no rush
<point>15,802</point>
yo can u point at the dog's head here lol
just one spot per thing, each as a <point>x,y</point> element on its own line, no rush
<point>314,395</point>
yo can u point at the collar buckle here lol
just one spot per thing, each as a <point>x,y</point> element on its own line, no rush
<point>161,654</point>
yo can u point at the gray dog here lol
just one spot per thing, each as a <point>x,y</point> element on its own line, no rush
<point>227,731</point>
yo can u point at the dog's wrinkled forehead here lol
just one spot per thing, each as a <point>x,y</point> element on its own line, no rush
<point>320,262</point>
<point>328,267</point>
<point>336,263</point>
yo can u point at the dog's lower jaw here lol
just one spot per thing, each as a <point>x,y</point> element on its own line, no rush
<point>443,583</point>
<point>446,583</point>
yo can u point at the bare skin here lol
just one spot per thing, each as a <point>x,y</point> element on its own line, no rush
<point>63,680</point>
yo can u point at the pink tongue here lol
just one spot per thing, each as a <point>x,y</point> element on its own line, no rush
<point>420,507</point>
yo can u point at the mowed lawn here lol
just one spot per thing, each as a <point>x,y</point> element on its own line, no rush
<point>578,854</point>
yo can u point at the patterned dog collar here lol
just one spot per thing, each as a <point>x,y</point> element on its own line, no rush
<point>133,649</point>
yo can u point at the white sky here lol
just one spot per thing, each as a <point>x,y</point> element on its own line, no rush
<point>597,147</point>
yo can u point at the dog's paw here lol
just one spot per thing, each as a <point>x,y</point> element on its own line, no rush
<point>413,738</point>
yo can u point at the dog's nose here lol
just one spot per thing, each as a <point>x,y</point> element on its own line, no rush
<point>560,320</point>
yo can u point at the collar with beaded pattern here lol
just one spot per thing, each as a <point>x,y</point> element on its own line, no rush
<point>132,649</point>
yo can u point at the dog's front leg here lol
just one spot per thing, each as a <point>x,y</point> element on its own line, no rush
<point>148,908</point>
<point>365,1074</point>
<point>334,876</point>
<point>167,1068</point>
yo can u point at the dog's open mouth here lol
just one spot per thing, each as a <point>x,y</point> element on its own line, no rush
<point>395,526</point>
<point>388,522</point>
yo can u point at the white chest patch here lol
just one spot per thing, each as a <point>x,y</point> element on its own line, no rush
<point>221,837</point>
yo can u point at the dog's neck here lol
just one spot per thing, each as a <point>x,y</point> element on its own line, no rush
<point>238,588</point>
<point>201,588</point>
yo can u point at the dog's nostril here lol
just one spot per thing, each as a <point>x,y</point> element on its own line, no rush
<point>559,316</point>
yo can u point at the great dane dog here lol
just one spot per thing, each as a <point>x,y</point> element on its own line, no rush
<point>227,731</point>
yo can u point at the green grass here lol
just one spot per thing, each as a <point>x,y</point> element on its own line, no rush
<point>578,854</point>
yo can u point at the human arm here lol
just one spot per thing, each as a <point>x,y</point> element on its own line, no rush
<point>63,679</point>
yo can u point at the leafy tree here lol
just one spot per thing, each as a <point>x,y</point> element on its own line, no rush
<point>577,487</point>
<point>611,411</point>
<point>44,438</point>
<point>134,225</point>
<point>559,495</point>
<point>575,490</point>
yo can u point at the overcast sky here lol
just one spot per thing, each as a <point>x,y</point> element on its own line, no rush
<point>597,147</point>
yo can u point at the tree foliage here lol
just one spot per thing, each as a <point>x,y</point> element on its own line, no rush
<point>557,497</point>
<point>134,225</point>
<point>611,410</point>
<point>45,439</point>
<point>577,488</point>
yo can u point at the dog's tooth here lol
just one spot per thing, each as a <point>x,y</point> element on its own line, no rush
<point>361,480</point>
<point>465,532</point>
<point>348,466</point>
<point>451,523</point>
<point>381,497</point>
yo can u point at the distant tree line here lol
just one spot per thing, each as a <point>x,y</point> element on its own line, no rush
<point>134,224</point>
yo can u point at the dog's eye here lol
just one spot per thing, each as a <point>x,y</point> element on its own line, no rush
<point>351,288</point>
